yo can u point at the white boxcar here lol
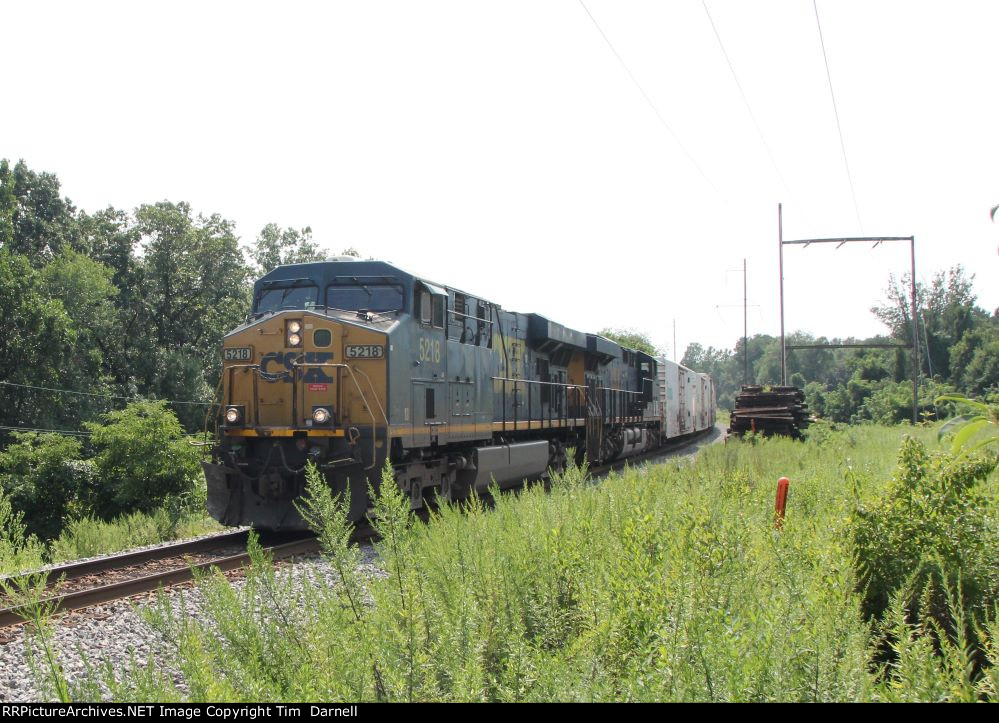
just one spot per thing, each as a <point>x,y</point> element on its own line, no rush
<point>690,401</point>
<point>669,396</point>
<point>708,395</point>
<point>686,399</point>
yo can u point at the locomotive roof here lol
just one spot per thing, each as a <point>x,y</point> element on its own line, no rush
<point>324,273</point>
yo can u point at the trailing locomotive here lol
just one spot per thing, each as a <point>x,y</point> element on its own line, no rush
<point>348,363</point>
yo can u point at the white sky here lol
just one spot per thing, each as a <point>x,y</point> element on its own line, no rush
<point>500,146</point>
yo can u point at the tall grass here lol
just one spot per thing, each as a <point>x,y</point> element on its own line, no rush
<point>666,582</point>
<point>18,550</point>
<point>89,537</point>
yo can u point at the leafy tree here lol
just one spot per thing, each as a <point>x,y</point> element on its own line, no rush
<point>982,373</point>
<point>194,289</point>
<point>34,219</point>
<point>110,237</point>
<point>193,272</point>
<point>84,289</point>
<point>8,204</point>
<point>274,247</point>
<point>38,342</point>
<point>633,340</point>
<point>143,459</point>
<point>945,311</point>
<point>721,365</point>
<point>974,359</point>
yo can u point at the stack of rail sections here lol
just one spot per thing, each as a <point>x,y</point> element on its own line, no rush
<point>769,410</point>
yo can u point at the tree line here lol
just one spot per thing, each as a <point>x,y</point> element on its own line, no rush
<point>958,353</point>
<point>113,320</point>
<point>116,305</point>
<point>103,312</point>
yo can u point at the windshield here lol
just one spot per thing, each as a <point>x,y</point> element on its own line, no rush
<point>373,297</point>
<point>292,297</point>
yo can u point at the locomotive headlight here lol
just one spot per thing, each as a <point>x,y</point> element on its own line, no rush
<point>294,331</point>
<point>233,415</point>
<point>321,415</point>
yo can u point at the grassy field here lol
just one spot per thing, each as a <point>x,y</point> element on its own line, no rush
<point>662,583</point>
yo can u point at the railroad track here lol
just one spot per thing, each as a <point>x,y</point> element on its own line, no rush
<point>83,584</point>
<point>708,435</point>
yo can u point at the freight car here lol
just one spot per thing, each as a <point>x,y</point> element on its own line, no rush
<point>348,363</point>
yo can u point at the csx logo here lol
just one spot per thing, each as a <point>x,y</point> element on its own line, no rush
<point>277,366</point>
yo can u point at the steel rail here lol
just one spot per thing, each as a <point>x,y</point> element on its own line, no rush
<point>74,570</point>
<point>127,588</point>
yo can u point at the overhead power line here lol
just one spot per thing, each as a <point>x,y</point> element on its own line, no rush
<point>839,128</point>
<point>648,100</point>
<point>745,100</point>
<point>104,396</point>
<point>70,432</point>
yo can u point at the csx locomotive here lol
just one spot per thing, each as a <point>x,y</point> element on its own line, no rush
<point>348,363</point>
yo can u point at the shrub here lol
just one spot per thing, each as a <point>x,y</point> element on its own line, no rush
<point>931,664</point>
<point>143,459</point>
<point>977,429</point>
<point>935,515</point>
<point>42,476</point>
<point>18,550</point>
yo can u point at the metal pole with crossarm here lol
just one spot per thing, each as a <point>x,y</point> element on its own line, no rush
<point>876,240</point>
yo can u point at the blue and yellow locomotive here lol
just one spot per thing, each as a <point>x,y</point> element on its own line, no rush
<point>348,363</point>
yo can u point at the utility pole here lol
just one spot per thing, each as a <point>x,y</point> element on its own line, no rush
<point>780,246</point>
<point>745,330</point>
<point>674,338</point>
<point>915,337</point>
<point>877,241</point>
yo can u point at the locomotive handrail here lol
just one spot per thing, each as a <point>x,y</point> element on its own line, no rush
<point>294,392</point>
<point>256,368</point>
<point>374,393</point>
<point>538,381</point>
<point>469,316</point>
<point>617,414</point>
<point>478,333</point>
<point>566,388</point>
<point>616,411</point>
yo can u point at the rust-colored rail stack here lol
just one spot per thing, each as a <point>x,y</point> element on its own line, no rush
<point>769,410</point>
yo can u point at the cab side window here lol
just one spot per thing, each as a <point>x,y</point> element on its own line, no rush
<point>430,307</point>
<point>423,304</point>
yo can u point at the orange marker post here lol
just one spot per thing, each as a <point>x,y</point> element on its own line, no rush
<point>781,503</point>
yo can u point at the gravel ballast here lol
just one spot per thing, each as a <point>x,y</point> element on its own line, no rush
<point>116,632</point>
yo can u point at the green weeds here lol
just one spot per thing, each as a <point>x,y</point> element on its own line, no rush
<point>665,582</point>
